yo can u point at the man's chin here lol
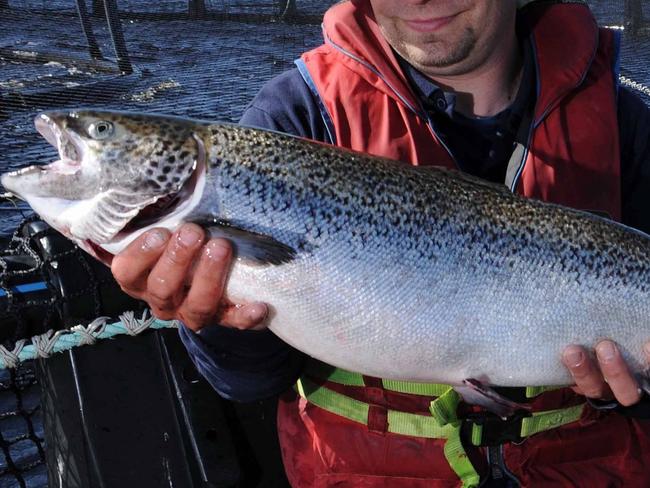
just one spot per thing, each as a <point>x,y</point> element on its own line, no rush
<point>433,57</point>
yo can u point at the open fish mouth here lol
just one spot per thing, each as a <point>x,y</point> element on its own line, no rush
<point>101,213</point>
<point>69,145</point>
<point>71,149</point>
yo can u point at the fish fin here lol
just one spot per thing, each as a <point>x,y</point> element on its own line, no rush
<point>256,248</point>
<point>476,393</point>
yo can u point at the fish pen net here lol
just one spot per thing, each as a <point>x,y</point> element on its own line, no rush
<point>192,58</point>
<point>34,299</point>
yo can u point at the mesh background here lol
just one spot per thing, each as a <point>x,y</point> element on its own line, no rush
<point>189,58</point>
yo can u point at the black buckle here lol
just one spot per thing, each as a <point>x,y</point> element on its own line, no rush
<point>495,430</point>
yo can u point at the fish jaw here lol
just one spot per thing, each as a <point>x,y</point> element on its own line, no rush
<point>54,180</point>
<point>92,202</point>
<point>68,216</point>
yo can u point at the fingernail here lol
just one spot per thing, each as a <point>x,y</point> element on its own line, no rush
<point>188,236</point>
<point>573,357</point>
<point>606,351</point>
<point>154,239</point>
<point>217,251</point>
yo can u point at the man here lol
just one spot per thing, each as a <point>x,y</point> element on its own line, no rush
<point>527,98</point>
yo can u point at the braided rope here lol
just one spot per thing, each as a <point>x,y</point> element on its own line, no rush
<point>88,333</point>
<point>11,358</point>
<point>135,326</point>
<point>44,345</point>
<point>640,87</point>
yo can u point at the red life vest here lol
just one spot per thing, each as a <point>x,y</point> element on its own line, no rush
<point>573,154</point>
<point>572,158</point>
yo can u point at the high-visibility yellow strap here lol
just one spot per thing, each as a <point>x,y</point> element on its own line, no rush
<point>444,413</point>
<point>443,423</point>
<point>412,424</point>
<point>550,419</point>
<point>335,375</point>
<point>426,389</point>
<point>477,434</point>
<point>400,423</point>
<point>458,459</point>
<point>533,391</point>
<point>443,408</point>
<point>332,401</point>
<point>348,378</point>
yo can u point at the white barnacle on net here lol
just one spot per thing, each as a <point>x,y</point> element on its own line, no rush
<point>44,343</point>
<point>134,326</point>
<point>88,334</point>
<point>10,358</point>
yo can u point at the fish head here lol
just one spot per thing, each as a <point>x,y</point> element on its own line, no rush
<point>118,174</point>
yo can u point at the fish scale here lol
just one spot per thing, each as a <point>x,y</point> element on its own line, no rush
<point>401,272</point>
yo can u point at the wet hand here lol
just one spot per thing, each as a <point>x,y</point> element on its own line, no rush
<point>182,276</point>
<point>607,377</point>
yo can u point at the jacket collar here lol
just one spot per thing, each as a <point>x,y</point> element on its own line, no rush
<point>351,28</point>
<point>564,38</point>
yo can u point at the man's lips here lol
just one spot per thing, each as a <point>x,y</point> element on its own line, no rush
<point>429,25</point>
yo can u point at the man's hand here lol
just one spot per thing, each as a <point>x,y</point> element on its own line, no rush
<point>605,378</point>
<point>181,276</point>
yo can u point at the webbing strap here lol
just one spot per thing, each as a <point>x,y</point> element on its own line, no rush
<point>541,421</point>
<point>333,401</point>
<point>458,459</point>
<point>442,424</point>
<point>426,389</point>
<point>533,391</point>
<point>403,423</point>
<point>348,378</point>
<point>335,375</point>
<point>443,408</point>
<point>443,412</point>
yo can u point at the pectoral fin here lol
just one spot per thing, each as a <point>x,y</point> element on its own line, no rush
<point>476,393</point>
<point>259,249</point>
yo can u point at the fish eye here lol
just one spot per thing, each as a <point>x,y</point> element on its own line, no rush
<point>100,130</point>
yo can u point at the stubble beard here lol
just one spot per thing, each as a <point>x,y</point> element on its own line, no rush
<point>437,55</point>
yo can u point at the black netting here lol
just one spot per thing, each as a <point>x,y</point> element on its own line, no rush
<point>34,298</point>
<point>192,58</point>
<point>22,462</point>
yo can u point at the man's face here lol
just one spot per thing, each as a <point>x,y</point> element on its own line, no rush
<point>446,37</point>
